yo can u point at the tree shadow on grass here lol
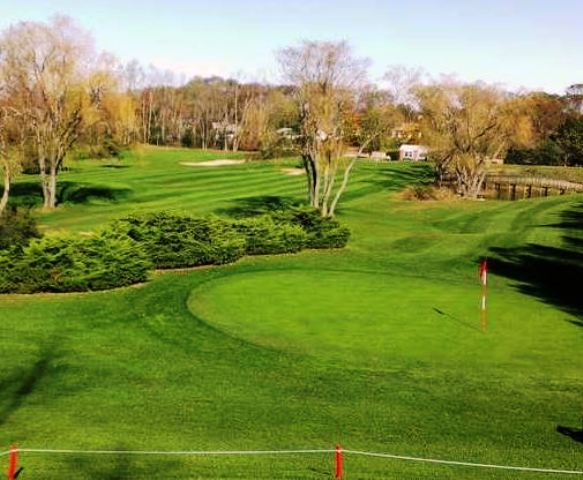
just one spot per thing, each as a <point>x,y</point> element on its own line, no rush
<point>552,274</point>
<point>70,192</point>
<point>104,468</point>
<point>16,388</point>
<point>122,466</point>
<point>29,194</point>
<point>253,206</point>
<point>115,166</point>
<point>574,433</point>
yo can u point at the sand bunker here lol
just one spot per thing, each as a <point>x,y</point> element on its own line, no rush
<point>293,171</point>
<point>212,163</point>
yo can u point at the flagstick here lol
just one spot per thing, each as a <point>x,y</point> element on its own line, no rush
<point>483,301</point>
<point>483,310</point>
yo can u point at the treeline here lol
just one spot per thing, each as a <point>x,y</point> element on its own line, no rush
<point>60,97</point>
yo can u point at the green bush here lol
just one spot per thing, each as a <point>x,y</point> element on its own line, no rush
<point>546,152</point>
<point>73,264</point>
<point>174,241</point>
<point>264,237</point>
<point>123,255</point>
<point>321,232</point>
<point>17,228</point>
<point>107,148</point>
<point>273,145</point>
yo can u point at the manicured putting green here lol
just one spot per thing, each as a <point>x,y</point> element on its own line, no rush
<point>374,320</point>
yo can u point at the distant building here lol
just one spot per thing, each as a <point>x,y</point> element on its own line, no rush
<point>413,152</point>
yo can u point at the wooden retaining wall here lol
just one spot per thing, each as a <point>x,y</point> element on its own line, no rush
<point>528,187</point>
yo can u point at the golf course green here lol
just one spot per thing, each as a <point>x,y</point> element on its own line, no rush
<point>379,347</point>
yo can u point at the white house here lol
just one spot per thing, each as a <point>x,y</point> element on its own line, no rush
<point>413,152</point>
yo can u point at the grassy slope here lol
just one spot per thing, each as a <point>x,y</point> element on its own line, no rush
<point>297,351</point>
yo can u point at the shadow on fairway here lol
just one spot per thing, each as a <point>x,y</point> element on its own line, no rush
<point>574,433</point>
<point>104,468</point>
<point>29,194</point>
<point>253,206</point>
<point>15,389</point>
<point>552,274</point>
<point>456,320</point>
<point>115,166</point>
<point>120,466</point>
<point>70,192</point>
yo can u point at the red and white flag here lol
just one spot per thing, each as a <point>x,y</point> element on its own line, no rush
<point>484,272</point>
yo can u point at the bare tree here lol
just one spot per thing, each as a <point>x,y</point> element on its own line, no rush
<point>466,125</point>
<point>46,69</point>
<point>401,82</point>
<point>326,76</point>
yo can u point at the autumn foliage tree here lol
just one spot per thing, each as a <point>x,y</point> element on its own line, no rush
<point>46,68</point>
<point>466,126</point>
<point>327,76</point>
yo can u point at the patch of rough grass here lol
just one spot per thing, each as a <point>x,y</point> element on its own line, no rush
<point>426,192</point>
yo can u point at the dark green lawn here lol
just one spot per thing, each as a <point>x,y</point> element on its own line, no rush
<point>378,346</point>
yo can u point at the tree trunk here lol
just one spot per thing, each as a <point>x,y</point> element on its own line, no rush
<point>307,167</point>
<point>343,186</point>
<point>317,185</point>
<point>236,142</point>
<point>49,188</point>
<point>6,192</point>
<point>331,178</point>
<point>149,126</point>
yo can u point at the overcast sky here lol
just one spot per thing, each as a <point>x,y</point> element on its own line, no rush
<point>536,44</point>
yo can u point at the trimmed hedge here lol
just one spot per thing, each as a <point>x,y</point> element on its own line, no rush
<point>124,254</point>
<point>321,232</point>
<point>265,237</point>
<point>175,241</point>
<point>68,264</point>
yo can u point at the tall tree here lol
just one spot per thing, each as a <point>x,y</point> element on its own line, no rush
<point>574,97</point>
<point>569,138</point>
<point>46,66</point>
<point>466,125</point>
<point>327,76</point>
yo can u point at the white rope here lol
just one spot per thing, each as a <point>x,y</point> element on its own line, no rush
<point>7,452</point>
<point>177,452</point>
<point>290,452</point>
<point>467,464</point>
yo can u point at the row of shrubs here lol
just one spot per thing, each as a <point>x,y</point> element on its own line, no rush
<point>125,252</point>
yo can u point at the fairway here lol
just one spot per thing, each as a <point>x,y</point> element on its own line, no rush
<point>378,346</point>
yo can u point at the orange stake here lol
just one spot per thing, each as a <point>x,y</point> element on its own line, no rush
<point>13,462</point>
<point>339,462</point>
